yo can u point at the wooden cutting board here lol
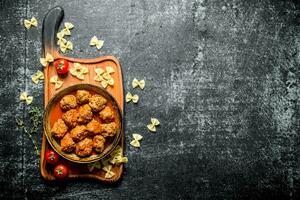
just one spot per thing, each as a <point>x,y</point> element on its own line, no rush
<point>51,23</point>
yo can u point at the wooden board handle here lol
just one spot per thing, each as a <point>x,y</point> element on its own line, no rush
<point>51,24</point>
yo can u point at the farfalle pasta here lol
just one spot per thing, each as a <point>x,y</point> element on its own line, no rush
<point>96,42</point>
<point>153,124</point>
<point>37,77</point>
<point>67,28</point>
<point>79,71</point>
<point>66,46</point>
<point>116,157</point>
<point>108,170</point>
<point>60,38</point>
<point>26,98</point>
<point>136,140</point>
<point>138,83</point>
<point>56,81</point>
<point>130,97</point>
<point>48,59</point>
<point>29,23</point>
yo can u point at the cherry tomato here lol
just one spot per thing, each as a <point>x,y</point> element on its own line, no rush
<point>61,171</point>
<point>51,157</point>
<point>62,66</point>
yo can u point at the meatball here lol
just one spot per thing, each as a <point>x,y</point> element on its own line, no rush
<point>59,129</point>
<point>85,114</point>
<point>78,133</point>
<point>82,96</point>
<point>108,130</point>
<point>98,143</point>
<point>94,127</point>
<point>84,147</point>
<point>70,117</point>
<point>68,102</point>
<point>97,102</point>
<point>67,144</point>
<point>107,114</point>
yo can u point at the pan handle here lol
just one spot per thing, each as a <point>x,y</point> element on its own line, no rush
<point>51,24</point>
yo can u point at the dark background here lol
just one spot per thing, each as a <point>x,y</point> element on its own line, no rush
<point>221,76</point>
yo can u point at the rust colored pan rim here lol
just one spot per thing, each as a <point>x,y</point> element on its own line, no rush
<point>54,144</point>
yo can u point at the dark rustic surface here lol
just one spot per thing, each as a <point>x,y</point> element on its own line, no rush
<point>222,77</point>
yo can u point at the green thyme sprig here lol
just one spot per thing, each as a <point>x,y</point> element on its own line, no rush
<point>35,114</point>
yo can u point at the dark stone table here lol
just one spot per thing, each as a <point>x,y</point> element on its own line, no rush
<point>221,76</point>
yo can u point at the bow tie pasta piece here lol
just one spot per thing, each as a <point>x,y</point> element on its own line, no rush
<point>116,157</point>
<point>60,35</point>
<point>99,72</point>
<point>129,97</point>
<point>153,124</point>
<point>66,46</point>
<point>26,98</point>
<point>56,81</point>
<point>137,83</point>
<point>48,59</point>
<point>107,74</point>
<point>32,22</point>
<point>155,121</point>
<point>60,38</point>
<point>122,160</point>
<point>68,27</point>
<point>95,42</point>
<point>109,69</point>
<point>108,170</point>
<point>80,75</point>
<point>37,76</point>
<point>105,82</point>
<point>136,140</point>
<point>79,71</point>
<point>119,160</point>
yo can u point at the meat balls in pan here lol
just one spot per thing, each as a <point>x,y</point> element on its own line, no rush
<point>67,144</point>
<point>59,129</point>
<point>97,102</point>
<point>94,127</point>
<point>107,114</point>
<point>70,118</point>
<point>83,96</point>
<point>68,102</point>
<point>108,130</point>
<point>84,148</point>
<point>85,114</point>
<point>78,133</point>
<point>98,143</point>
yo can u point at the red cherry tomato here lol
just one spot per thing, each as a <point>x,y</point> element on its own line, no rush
<point>62,66</point>
<point>51,157</point>
<point>61,171</point>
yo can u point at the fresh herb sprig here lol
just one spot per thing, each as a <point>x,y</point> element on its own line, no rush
<point>35,114</point>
